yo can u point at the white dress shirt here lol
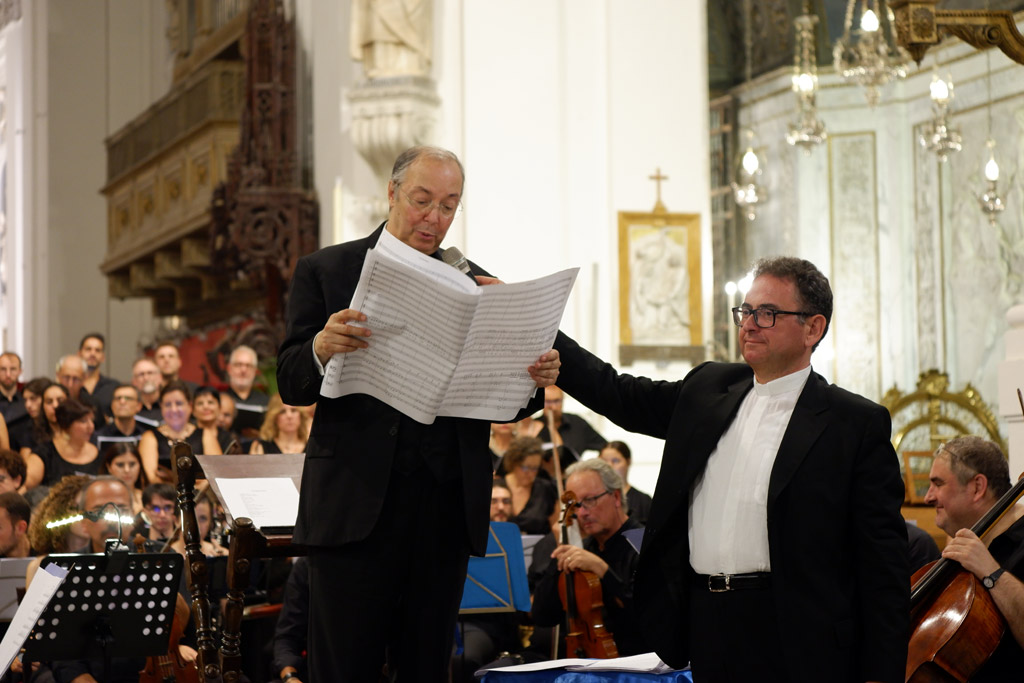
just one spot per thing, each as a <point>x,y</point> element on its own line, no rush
<point>728,526</point>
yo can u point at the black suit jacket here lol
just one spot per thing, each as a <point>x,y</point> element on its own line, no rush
<point>837,540</point>
<point>353,439</point>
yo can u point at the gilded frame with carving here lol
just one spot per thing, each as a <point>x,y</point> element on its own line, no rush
<point>660,306</point>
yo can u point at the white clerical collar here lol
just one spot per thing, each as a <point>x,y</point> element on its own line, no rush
<point>792,382</point>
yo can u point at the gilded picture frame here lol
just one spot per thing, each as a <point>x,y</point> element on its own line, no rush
<point>660,305</point>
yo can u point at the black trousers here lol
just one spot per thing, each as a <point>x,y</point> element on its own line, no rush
<point>734,637</point>
<point>395,595</point>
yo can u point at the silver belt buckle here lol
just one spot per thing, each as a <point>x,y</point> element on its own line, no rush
<point>718,590</point>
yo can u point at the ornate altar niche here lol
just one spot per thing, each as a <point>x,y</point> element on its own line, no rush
<point>921,421</point>
<point>207,215</point>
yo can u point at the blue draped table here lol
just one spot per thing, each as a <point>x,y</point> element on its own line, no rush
<point>563,676</point>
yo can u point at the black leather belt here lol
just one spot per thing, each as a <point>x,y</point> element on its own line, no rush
<point>720,583</point>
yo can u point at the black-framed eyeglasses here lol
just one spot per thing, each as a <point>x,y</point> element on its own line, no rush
<point>763,317</point>
<point>589,502</point>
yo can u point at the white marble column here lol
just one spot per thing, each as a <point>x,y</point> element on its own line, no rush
<point>1011,378</point>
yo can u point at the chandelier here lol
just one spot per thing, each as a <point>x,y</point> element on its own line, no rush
<point>748,192</point>
<point>807,130</point>
<point>868,55</point>
<point>991,203</point>
<point>939,134</point>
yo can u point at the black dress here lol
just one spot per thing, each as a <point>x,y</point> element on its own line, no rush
<point>164,444</point>
<point>56,467</point>
<point>535,515</point>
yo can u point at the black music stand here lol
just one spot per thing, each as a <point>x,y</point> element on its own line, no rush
<point>115,605</point>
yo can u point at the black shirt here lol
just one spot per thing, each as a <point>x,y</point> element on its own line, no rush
<point>577,436</point>
<point>250,410</point>
<point>616,589</point>
<point>1007,662</point>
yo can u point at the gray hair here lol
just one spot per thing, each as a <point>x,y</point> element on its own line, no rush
<point>71,357</point>
<point>406,159</point>
<point>245,349</point>
<point>610,479</point>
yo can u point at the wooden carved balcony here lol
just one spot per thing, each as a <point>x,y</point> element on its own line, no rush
<point>162,169</point>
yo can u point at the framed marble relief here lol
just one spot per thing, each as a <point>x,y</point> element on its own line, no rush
<point>660,315</point>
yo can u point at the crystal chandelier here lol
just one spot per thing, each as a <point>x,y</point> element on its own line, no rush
<point>939,134</point>
<point>868,55</point>
<point>807,130</point>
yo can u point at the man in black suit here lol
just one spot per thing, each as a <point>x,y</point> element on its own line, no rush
<point>775,549</point>
<point>390,508</point>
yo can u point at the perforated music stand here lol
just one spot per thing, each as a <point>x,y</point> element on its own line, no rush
<point>118,605</point>
<point>497,581</point>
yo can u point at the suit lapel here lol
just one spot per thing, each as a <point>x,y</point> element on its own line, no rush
<point>805,426</point>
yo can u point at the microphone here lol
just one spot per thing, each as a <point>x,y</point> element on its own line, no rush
<point>455,258</point>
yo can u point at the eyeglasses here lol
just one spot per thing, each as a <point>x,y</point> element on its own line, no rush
<point>158,509</point>
<point>527,468</point>
<point>124,399</point>
<point>763,317</point>
<point>446,208</point>
<point>589,502</point>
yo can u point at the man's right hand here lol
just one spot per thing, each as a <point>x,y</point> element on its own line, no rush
<point>340,336</point>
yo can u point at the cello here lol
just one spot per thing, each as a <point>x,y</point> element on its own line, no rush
<point>955,623</point>
<point>579,591</point>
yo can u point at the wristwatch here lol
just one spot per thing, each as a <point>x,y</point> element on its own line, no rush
<point>990,580</point>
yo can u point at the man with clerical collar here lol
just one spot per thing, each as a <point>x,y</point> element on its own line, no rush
<point>775,549</point>
<point>99,387</point>
<point>606,552</point>
<point>124,428</point>
<point>968,476</point>
<point>146,380</point>
<point>250,403</point>
<point>15,515</point>
<point>12,403</point>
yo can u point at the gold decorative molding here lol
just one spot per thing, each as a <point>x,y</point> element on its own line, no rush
<point>919,25</point>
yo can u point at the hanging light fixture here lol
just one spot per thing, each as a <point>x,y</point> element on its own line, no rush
<point>940,135</point>
<point>747,189</point>
<point>868,55</point>
<point>807,130</point>
<point>991,203</point>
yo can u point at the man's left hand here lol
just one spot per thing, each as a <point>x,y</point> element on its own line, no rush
<point>545,371</point>
<point>967,549</point>
<point>571,557</point>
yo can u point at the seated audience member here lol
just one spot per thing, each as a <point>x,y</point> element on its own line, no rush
<point>71,375</point>
<point>577,434</point>
<point>502,434</point>
<point>292,626</point>
<point>45,430</point>
<point>206,413</point>
<point>923,548</point>
<point>12,404</point>
<point>22,432</point>
<point>155,446</point>
<point>146,380</point>
<point>168,359</point>
<point>285,429</point>
<point>122,460</point>
<point>227,412</point>
<point>617,454</point>
<point>204,519</point>
<point>534,500</point>
<point>60,503</point>
<point>99,387</point>
<point>15,515</point>
<point>606,552</point>
<point>12,471</point>
<point>484,636</point>
<point>968,476</point>
<point>71,452</point>
<point>159,511</point>
<point>123,428</point>
<point>250,403</point>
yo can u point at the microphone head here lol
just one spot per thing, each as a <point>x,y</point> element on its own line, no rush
<point>453,257</point>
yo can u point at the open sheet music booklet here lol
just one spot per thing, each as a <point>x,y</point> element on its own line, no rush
<point>441,345</point>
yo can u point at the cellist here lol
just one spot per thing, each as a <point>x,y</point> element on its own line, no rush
<point>606,552</point>
<point>968,475</point>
